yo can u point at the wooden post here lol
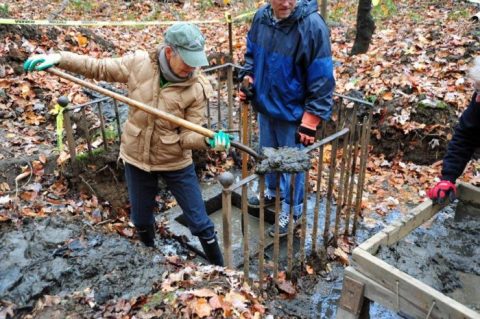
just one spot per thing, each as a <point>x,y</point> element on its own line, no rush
<point>226,179</point>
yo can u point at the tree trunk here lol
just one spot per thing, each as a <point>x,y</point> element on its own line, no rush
<point>365,27</point>
<point>323,10</point>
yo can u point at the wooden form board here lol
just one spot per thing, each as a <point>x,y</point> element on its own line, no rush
<point>416,217</point>
<point>414,297</point>
<point>393,288</point>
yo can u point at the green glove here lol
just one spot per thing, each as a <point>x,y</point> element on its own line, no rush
<point>219,142</point>
<point>41,62</point>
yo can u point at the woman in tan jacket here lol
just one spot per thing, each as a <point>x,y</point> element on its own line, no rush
<point>151,147</point>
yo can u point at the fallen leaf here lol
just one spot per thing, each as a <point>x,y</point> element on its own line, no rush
<point>204,293</point>
<point>342,256</point>
<point>201,307</point>
<point>215,302</point>
<point>287,286</point>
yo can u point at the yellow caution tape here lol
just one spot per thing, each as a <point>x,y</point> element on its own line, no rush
<point>244,15</point>
<point>58,111</point>
<point>228,19</point>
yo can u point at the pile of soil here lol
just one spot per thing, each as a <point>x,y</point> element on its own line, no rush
<point>443,254</point>
<point>67,256</point>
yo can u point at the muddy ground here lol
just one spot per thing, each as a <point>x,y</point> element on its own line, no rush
<point>443,253</point>
<point>68,257</point>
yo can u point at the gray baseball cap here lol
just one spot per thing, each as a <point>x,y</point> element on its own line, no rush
<point>189,41</point>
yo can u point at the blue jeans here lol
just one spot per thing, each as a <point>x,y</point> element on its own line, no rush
<point>276,133</point>
<point>184,185</point>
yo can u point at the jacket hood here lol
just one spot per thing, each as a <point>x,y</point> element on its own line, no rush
<point>302,10</point>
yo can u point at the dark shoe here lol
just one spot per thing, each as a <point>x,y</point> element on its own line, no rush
<point>212,250</point>
<point>147,235</point>
<point>254,201</point>
<point>283,225</point>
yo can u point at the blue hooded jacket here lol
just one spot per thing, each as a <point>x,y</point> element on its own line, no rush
<point>291,63</point>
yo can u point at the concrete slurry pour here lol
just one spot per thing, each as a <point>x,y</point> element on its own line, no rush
<point>444,254</point>
<point>63,255</point>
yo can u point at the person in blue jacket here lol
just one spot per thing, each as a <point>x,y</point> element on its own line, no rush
<point>462,146</point>
<point>288,64</point>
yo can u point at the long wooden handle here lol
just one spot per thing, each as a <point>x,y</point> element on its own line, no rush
<point>148,109</point>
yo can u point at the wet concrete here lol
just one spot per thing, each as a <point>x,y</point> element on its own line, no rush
<point>63,255</point>
<point>444,254</point>
<point>283,160</point>
<point>319,294</point>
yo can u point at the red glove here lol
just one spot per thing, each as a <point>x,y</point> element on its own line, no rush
<point>441,191</point>
<point>307,130</point>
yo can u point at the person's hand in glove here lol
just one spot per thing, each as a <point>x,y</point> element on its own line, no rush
<point>307,129</point>
<point>246,89</point>
<point>443,190</point>
<point>41,62</point>
<point>219,142</point>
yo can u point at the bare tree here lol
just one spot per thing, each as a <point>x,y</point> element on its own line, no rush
<point>365,27</point>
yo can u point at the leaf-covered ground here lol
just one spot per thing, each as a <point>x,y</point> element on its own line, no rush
<point>419,54</point>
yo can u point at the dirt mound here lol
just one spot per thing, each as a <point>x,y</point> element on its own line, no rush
<point>66,255</point>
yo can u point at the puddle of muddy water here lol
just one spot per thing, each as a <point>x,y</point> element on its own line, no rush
<point>60,256</point>
<point>444,254</point>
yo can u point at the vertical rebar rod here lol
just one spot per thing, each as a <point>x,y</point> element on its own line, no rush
<point>86,129</point>
<point>261,242</point>
<point>352,178</point>
<point>246,237</point>
<point>102,126</point>
<point>363,168</point>
<point>316,210</point>
<point>230,35</point>
<point>276,238</point>
<point>219,100</point>
<point>227,226</point>
<point>338,211</point>
<point>117,119</point>
<point>291,227</point>
<point>331,180</point>
<point>209,120</point>
<point>230,95</point>
<point>303,233</point>
<point>346,182</point>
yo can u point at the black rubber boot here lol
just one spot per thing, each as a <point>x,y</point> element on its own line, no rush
<point>212,250</point>
<point>147,235</point>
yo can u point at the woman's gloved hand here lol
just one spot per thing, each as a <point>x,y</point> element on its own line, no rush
<point>219,142</point>
<point>41,62</point>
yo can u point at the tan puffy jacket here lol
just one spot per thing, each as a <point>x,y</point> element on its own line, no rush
<point>149,142</point>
